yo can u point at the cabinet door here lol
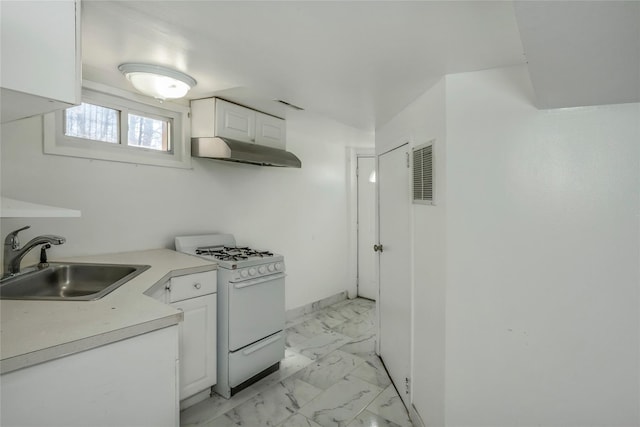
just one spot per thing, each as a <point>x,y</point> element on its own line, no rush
<point>40,57</point>
<point>126,383</point>
<point>235,121</point>
<point>270,131</point>
<point>197,344</point>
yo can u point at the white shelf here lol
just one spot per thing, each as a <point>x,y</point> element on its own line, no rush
<point>12,208</point>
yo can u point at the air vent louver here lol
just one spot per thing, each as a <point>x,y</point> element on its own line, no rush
<point>423,174</point>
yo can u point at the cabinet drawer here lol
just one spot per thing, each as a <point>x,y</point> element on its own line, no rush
<point>192,285</point>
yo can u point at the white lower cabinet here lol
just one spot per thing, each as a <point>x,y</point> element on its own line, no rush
<point>197,344</point>
<point>132,382</point>
<point>195,296</point>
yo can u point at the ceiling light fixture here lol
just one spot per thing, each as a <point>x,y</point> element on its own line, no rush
<point>157,81</point>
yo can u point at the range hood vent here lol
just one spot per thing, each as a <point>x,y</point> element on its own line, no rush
<point>223,148</point>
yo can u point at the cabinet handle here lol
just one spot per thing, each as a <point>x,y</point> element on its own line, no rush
<point>197,285</point>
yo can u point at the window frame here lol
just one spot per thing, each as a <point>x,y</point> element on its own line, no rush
<point>179,156</point>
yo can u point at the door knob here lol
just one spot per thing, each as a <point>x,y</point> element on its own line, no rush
<point>377,248</point>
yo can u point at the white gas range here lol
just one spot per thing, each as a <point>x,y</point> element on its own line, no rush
<point>251,311</point>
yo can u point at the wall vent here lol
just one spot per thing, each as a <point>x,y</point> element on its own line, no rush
<point>423,174</point>
<point>288,104</point>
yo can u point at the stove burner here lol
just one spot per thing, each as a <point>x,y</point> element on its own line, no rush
<point>228,253</point>
<point>261,254</point>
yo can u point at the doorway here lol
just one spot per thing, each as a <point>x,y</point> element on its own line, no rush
<point>367,286</point>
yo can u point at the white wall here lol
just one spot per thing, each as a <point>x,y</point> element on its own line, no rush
<point>543,241</point>
<point>301,213</point>
<point>526,273</point>
<point>421,122</point>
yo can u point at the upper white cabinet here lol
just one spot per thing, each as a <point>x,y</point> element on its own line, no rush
<point>40,57</point>
<point>216,117</point>
<point>270,131</point>
<point>234,121</point>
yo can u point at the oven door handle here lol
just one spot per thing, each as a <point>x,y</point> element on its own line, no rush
<point>262,345</point>
<point>259,281</point>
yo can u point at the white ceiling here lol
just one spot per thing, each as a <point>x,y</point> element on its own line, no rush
<point>357,62</point>
<point>582,52</point>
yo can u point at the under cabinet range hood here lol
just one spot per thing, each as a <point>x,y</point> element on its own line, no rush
<point>223,148</point>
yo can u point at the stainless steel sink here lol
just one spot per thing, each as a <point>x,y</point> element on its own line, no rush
<point>69,281</point>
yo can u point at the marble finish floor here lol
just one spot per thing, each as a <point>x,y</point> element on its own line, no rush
<point>330,376</point>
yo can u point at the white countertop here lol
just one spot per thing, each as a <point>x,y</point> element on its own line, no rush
<point>33,332</point>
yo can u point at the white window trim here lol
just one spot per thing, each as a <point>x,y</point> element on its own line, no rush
<point>56,143</point>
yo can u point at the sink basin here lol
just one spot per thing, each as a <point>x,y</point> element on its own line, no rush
<point>69,281</point>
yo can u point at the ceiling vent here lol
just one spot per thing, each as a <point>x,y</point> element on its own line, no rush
<point>288,104</point>
<point>423,174</point>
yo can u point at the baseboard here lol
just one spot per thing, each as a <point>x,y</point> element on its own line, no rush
<point>196,398</point>
<point>295,313</point>
<point>416,419</point>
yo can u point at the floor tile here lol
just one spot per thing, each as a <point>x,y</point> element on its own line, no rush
<point>292,363</point>
<point>364,346</point>
<point>272,406</point>
<point>218,405</point>
<point>389,406</point>
<point>358,305</point>
<point>356,327</point>
<point>368,419</point>
<point>330,369</point>
<point>349,311</point>
<point>293,338</point>
<point>321,344</point>
<point>373,372</point>
<point>299,420</point>
<point>341,403</point>
<point>310,327</point>
<point>330,373</point>
<point>330,317</point>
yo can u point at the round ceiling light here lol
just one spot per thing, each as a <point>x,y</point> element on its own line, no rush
<point>157,81</point>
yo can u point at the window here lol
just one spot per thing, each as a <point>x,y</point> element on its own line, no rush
<point>145,132</point>
<point>92,122</point>
<point>118,126</point>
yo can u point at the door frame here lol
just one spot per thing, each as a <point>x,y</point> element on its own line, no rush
<point>359,249</point>
<point>352,155</point>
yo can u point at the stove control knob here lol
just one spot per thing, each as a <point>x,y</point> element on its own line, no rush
<point>278,266</point>
<point>252,271</point>
<point>271,267</point>
<point>262,269</point>
<point>244,273</point>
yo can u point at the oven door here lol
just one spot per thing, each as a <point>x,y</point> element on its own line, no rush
<point>256,309</point>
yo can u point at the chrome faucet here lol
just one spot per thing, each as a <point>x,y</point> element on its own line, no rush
<point>13,253</point>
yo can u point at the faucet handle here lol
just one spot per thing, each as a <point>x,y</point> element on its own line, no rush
<point>12,238</point>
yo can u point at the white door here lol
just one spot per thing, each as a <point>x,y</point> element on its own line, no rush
<point>395,290</point>
<point>367,286</point>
